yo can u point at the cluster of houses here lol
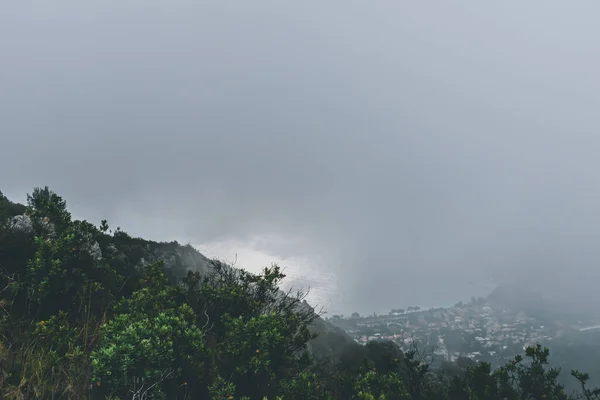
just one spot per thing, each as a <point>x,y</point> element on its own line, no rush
<point>474,330</point>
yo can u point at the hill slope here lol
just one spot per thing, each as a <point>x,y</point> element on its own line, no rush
<point>58,271</point>
<point>91,313</point>
<point>177,260</point>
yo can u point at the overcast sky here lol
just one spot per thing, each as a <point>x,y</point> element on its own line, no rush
<point>390,152</point>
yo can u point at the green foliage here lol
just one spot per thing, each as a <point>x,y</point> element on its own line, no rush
<point>47,210</point>
<point>307,385</point>
<point>221,389</point>
<point>87,313</point>
<point>63,274</point>
<point>534,380</point>
<point>374,385</point>
<point>261,351</point>
<point>146,349</point>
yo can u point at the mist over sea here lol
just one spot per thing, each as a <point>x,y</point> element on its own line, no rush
<point>324,292</point>
<point>327,291</point>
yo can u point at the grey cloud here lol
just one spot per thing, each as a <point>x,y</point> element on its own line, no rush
<point>414,146</point>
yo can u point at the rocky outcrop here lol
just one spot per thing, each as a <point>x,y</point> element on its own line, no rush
<point>93,249</point>
<point>184,258</point>
<point>21,223</point>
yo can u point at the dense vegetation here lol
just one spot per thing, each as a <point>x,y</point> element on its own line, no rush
<point>88,312</point>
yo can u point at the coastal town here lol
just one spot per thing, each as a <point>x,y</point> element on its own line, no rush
<point>474,330</point>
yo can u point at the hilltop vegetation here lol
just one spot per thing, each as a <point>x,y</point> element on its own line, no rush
<point>91,312</point>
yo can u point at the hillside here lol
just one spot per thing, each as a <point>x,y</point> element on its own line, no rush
<point>89,312</point>
<point>177,260</point>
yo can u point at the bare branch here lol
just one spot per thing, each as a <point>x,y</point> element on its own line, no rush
<point>141,394</point>
<point>207,322</point>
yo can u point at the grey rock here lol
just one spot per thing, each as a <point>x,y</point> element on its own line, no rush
<point>111,249</point>
<point>21,223</point>
<point>94,250</point>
